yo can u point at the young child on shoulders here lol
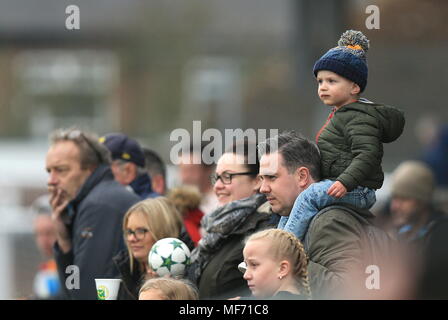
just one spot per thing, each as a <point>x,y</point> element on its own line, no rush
<point>275,266</point>
<point>351,140</point>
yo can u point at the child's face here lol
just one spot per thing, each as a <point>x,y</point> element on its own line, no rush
<point>335,90</point>
<point>262,273</point>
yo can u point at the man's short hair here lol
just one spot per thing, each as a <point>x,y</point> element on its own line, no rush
<point>154,163</point>
<point>92,152</point>
<point>296,150</point>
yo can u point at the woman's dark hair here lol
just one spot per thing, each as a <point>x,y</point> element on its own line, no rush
<point>248,150</point>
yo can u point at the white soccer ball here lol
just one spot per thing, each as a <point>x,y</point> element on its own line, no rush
<point>169,256</point>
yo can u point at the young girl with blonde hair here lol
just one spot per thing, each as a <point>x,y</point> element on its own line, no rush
<point>168,289</point>
<point>276,266</point>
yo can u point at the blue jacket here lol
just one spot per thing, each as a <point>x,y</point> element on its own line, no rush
<point>94,219</point>
<point>436,156</point>
<point>142,187</point>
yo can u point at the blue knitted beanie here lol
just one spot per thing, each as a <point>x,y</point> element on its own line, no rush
<point>348,59</point>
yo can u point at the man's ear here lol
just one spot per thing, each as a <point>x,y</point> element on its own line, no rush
<point>158,183</point>
<point>303,176</point>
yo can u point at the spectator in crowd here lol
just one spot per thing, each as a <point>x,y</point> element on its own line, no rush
<point>412,213</point>
<point>243,211</point>
<point>168,289</point>
<point>46,281</point>
<point>87,210</point>
<point>187,200</point>
<point>156,169</point>
<point>194,171</point>
<point>431,132</point>
<point>437,157</point>
<point>128,164</point>
<point>276,266</point>
<point>433,280</point>
<point>143,225</point>
<point>334,241</point>
<point>351,140</point>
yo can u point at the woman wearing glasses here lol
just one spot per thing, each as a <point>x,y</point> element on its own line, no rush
<point>143,225</point>
<point>243,211</point>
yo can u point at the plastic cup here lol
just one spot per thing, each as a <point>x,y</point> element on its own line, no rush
<point>107,289</point>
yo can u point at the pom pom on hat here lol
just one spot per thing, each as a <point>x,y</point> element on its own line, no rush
<point>356,41</point>
<point>348,59</point>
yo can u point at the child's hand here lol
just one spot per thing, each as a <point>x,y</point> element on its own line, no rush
<point>337,190</point>
<point>150,273</point>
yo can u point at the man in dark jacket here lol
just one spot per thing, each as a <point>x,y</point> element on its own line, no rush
<point>334,241</point>
<point>88,209</point>
<point>128,164</point>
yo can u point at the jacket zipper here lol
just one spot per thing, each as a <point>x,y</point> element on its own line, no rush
<point>325,124</point>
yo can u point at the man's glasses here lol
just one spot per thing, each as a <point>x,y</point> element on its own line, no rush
<point>226,177</point>
<point>138,233</point>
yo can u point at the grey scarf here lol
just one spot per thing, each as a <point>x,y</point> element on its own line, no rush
<point>220,225</point>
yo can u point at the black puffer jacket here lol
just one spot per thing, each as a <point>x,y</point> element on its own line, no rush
<point>351,143</point>
<point>131,281</point>
<point>220,277</point>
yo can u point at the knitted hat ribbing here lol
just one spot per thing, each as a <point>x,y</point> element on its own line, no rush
<point>348,59</point>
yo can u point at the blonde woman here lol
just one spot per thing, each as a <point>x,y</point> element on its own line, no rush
<point>168,289</point>
<point>276,266</point>
<point>143,225</point>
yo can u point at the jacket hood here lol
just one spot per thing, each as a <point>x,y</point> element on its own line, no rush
<point>391,119</point>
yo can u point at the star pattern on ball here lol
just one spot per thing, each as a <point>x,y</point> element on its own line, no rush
<point>176,244</point>
<point>154,248</point>
<point>167,262</point>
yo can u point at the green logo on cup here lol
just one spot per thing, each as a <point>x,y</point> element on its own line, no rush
<point>103,292</point>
